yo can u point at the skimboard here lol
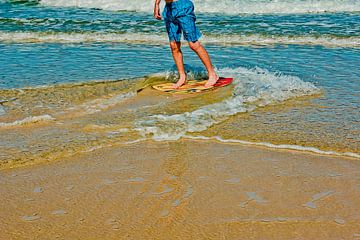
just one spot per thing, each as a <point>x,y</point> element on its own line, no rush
<point>192,86</point>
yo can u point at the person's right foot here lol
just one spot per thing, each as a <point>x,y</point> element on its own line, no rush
<point>212,80</point>
<point>180,83</point>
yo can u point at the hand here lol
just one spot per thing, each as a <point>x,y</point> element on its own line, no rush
<point>157,12</point>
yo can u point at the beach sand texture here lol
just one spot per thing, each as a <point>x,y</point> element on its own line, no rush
<point>188,189</point>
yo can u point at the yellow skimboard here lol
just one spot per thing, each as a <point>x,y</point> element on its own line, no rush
<point>192,86</point>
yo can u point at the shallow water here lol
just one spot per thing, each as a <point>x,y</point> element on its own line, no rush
<point>296,77</point>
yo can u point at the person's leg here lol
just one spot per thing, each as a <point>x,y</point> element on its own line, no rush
<point>192,34</point>
<point>205,58</point>
<point>179,61</point>
<point>174,33</point>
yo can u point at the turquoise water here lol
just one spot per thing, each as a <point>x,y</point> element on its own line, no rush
<point>294,43</point>
<point>42,44</point>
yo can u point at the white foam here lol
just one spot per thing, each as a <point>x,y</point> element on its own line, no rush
<point>28,120</point>
<point>161,39</point>
<point>277,146</point>
<point>253,88</point>
<point>329,41</point>
<point>41,37</point>
<point>223,6</point>
<point>136,141</point>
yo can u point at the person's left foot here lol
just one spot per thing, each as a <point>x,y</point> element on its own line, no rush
<point>212,81</point>
<point>182,81</point>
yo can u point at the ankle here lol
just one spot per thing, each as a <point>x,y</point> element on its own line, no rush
<point>212,75</point>
<point>182,76</point>
<point>211,72</point>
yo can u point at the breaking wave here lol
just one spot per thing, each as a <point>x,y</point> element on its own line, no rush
<point>141,38</point>
<point>254,88</point>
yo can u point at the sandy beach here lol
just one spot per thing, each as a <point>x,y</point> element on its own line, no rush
<point>188,189</point>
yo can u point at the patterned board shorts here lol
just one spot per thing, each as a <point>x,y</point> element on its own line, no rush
<point>180,19</point>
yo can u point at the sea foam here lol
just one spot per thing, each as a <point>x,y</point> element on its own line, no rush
<point>28,120</point>
<point>253,88</point>
<point>161,39</point>
<point>277,146</point>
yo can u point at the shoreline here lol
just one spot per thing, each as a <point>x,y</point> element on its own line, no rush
<point>188,189</point>
<point>114,132</point>
<point>241,143</point>
<point>275,146</point>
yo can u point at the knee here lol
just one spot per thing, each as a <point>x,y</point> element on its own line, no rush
<point>175,47</point>
<point>195,46</point>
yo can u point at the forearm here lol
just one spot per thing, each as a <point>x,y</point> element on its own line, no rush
<point>157,2</point>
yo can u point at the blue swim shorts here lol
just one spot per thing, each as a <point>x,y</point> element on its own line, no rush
<point>180,19</point>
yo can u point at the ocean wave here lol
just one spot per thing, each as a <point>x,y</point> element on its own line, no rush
<point>253,88</point>
<point>101,104</point>
<point>160,39</point>
<point>65,100</point>
<point>277,146</point>
<point>28,120</point>
<point>59,37</point>
<point>223,7</point>
<point>22,2</point>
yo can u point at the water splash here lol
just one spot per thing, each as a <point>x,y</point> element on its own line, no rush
<point>253,88</point>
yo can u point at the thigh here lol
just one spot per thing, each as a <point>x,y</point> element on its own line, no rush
<point>188,24</point>
<point>174,30</point>
<point>173,27</point>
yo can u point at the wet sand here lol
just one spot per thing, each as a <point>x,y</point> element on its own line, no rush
<point>189,189</point>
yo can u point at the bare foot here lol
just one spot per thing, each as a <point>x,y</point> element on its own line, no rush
<point>180,83</point>
<point>212,81</point>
